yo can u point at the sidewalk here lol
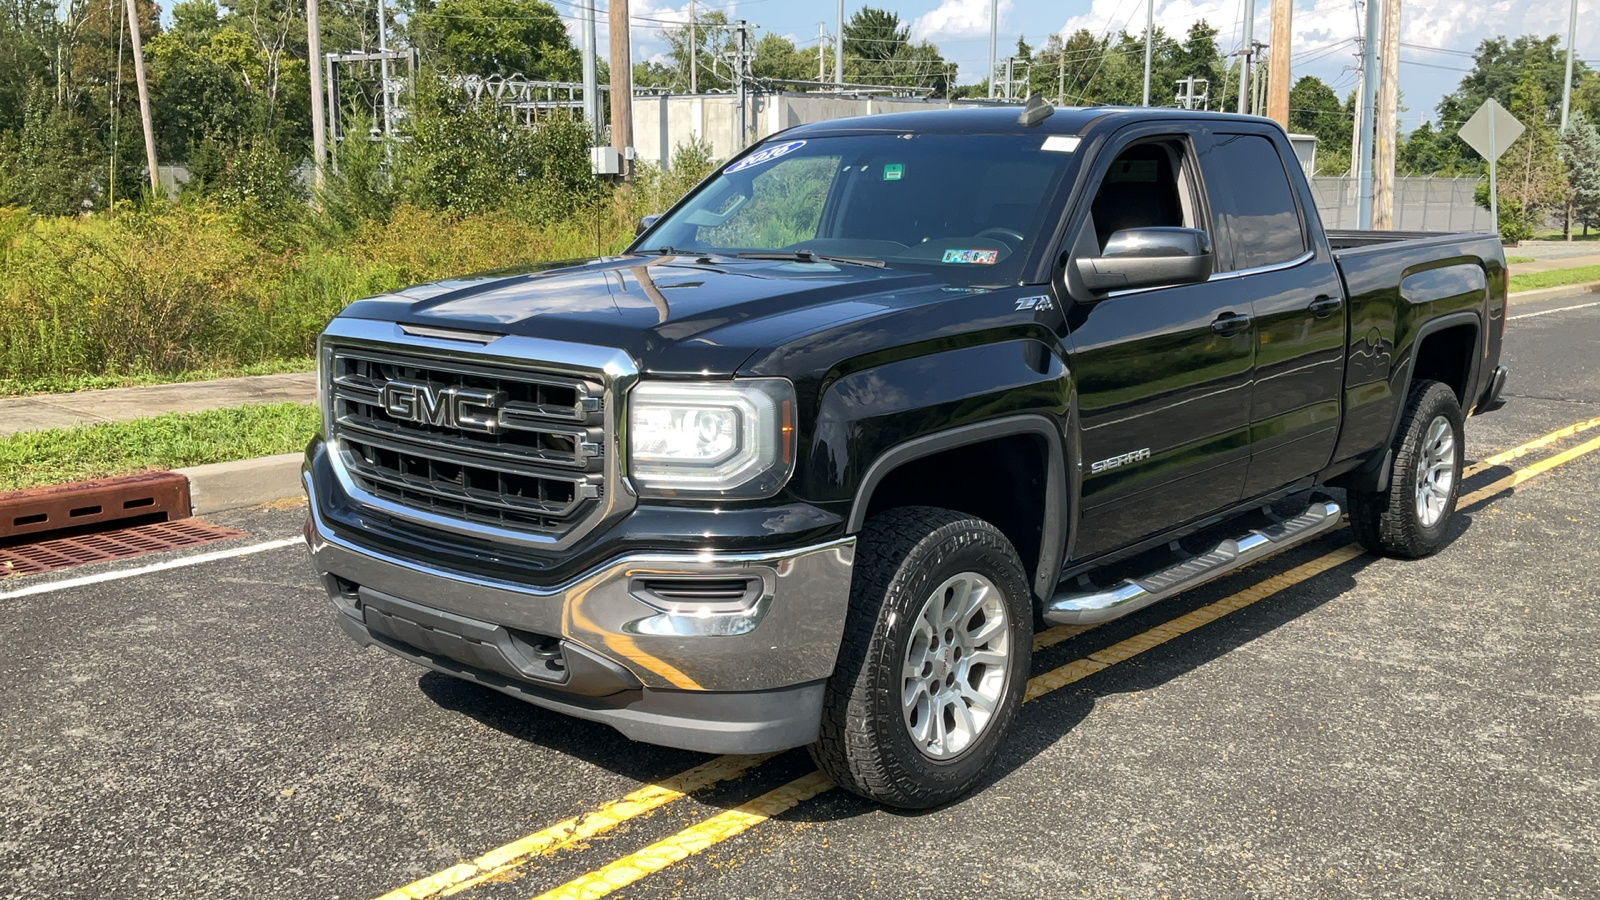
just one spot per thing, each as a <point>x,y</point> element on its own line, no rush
<point>1549,263</point>
<point>41,411</point>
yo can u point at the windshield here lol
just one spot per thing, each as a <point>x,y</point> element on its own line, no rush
<point>966,207</point>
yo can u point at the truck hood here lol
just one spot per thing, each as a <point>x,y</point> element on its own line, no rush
<point>672,314</point>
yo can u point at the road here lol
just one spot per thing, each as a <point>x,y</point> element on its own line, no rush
<point>1325,723</point>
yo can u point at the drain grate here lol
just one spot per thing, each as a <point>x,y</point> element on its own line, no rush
<point>61,553</point>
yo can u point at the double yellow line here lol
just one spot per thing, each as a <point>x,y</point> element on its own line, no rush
<point>503,861</point>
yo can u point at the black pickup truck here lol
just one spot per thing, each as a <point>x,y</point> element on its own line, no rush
<point>812,460</point>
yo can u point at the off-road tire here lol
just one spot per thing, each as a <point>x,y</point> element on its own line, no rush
<point>902,556</point>
<point>1387,522</point>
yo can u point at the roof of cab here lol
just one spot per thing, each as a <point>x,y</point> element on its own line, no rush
<point>1003,120</point>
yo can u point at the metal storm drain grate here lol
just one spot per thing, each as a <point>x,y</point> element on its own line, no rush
<point>61,553</point>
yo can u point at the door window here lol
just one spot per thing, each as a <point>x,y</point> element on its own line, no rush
<point>1252,200</point>
<point>1146,186</point>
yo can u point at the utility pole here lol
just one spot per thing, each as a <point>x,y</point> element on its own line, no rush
<point>1260,82</point>
<point>1061,75</point>
<point>1011,62</point>
<point>383,68</point>
<point>822,42</point>
<point>739,70</point>
<point>1369,81</point>
<point>1566,86</point>
<point>994,34</point>
<point>591,78</point>
<point>694,53</point>
<point>1278,69</point>
<point>621,85</point>
<point>838,50</point>
<point>144,98</point>
<point>1149,38</point>
<point>1387,116</point>
<point>1355,123</point>
<point>1249,42</point>
<point>319,127</point>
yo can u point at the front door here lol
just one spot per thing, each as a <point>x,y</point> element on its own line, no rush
<point>1163,374</point>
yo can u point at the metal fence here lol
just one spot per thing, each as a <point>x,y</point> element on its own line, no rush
<point>1420,204</point>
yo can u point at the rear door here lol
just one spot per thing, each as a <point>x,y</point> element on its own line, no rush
<point>1273,255</point>
<point>1163,374</point>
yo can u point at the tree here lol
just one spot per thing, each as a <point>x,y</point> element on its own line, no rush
<point>1499,65</point>
<point>497,37</point>
<point>28,35</point>
<point>1315,109</point>
<point>776,57</point>
<point>1530,174</point>
<point>878,50</point>
<point>1580,151</point>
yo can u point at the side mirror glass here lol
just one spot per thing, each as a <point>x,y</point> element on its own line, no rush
<point>1148,257</point>
<point>646,223</point>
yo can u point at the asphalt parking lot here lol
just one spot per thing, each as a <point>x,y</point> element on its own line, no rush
<point>1325,723</point>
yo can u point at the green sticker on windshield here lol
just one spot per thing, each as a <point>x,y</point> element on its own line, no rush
<point>893,172</point>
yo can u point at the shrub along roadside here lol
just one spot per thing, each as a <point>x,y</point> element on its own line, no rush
<point>172,441</point>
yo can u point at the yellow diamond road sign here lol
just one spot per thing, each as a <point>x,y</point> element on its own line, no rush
<point>1491,131</point>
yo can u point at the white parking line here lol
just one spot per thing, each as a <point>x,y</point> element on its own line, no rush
<point>120,574</point>
<point>1546,312</point>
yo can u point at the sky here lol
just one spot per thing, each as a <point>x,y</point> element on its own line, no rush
<point>1437,36</point>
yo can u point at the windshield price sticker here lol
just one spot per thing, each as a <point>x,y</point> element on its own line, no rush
<point>972,257</point>
<point>1061,143</point>
<point>764,155</point>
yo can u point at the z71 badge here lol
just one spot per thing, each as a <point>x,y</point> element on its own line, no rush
<point>1106,465</point>
<point>1041,302</point>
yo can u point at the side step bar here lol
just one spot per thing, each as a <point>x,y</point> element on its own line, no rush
<point>1073,608</point>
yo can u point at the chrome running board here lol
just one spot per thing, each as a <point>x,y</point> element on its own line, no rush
<point>1077,608</point>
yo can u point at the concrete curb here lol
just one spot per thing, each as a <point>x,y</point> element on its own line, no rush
<point>242,483</point>
<point>1566,290</point>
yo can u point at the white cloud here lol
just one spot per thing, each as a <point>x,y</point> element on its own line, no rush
<point>958,19</point>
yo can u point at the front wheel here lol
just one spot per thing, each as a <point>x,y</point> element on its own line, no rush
<point>1412,517</point>
<point>934,659</point>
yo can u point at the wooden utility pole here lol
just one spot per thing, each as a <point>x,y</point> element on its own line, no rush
<point>319,125</point>
<point>621,85</point>
<point>1387,118</point>
<point>144,97</point>
<point>1278,62</point>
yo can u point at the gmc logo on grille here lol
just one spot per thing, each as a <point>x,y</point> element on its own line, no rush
<point>430,404</point>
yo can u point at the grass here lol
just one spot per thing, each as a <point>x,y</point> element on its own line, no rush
<point>1577,235</point>
<point>175,440</point>
<point>1555,278</point>
<point>1513,260</point>
<point>68,384</point>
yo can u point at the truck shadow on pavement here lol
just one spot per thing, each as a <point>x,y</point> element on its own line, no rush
<point>1041,723</point>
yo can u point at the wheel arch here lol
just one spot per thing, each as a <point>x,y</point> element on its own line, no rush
<point>895,478</point>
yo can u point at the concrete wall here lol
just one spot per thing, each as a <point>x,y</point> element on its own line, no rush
<point>661,124</point>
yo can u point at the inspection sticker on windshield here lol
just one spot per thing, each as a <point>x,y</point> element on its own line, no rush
<point>765,155</point>
<point>1061,143</point>
<point>893,172</point>
<point>972,257</point>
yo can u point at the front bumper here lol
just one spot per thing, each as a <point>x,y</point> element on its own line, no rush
<point>740,682</point>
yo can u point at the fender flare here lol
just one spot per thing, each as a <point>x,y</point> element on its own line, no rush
<point>1055,525</point>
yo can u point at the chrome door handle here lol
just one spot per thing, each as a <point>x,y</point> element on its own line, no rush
<point>1229,324</point>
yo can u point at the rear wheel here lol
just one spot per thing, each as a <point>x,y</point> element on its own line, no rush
<point>1411,518</point>
<point>934,659</point>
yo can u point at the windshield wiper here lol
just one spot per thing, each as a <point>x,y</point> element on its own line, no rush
<point>806,256</point>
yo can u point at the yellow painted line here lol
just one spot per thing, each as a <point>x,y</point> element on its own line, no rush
<point>692,840</point>
<point>1523,474</point>
<point>565,834</point>
<point>1535,444</point>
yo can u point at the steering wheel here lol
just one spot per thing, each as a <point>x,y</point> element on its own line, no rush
<point>1002,232</point>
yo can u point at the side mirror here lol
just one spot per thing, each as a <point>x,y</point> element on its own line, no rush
<point>646,223</point>
<point>1148,257</point>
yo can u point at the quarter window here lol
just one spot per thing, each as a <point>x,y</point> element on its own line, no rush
<point>1252,201</point>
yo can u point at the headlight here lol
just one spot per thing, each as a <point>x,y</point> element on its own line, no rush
<point>731,439</point>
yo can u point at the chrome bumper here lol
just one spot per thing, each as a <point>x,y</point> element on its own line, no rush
<point>745,681</point>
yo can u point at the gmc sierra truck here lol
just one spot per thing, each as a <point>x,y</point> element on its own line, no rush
<point>810,462</point>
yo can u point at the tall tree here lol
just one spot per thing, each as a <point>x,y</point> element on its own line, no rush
<point>497,37</point>
<point>1531,176</point>
<point>1580,151</point>
<point>1499,65</point>
<point>878,50</point>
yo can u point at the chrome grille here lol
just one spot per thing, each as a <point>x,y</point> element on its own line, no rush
<point>532,459</point>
